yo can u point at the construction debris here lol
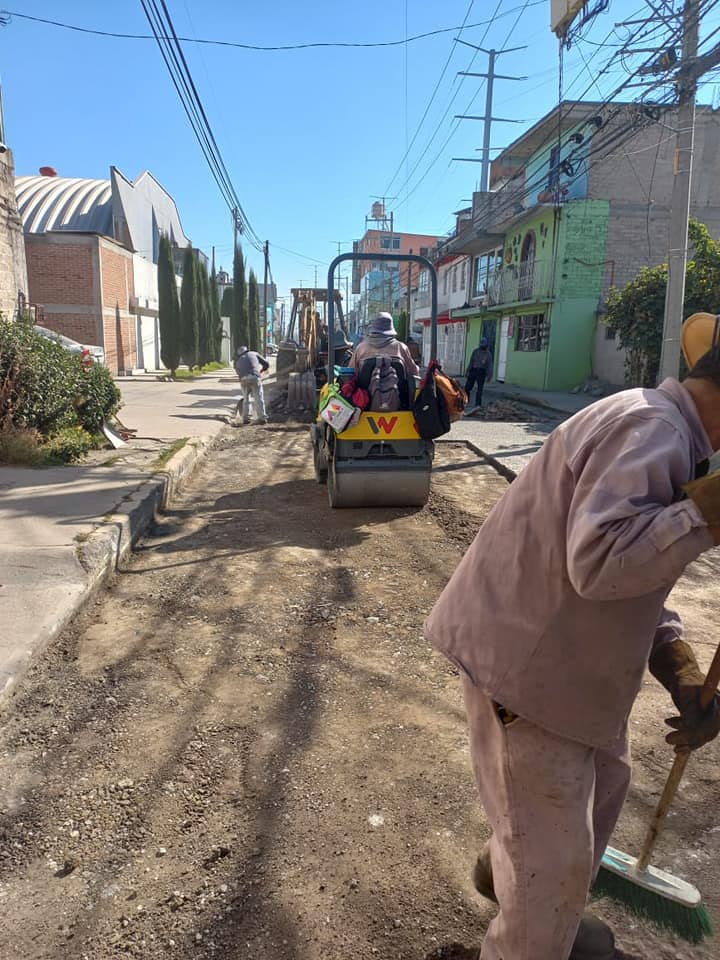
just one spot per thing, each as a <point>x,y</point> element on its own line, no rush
<point>507,410</point>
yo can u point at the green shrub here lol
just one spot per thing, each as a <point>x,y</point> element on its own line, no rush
<point>47,377</point>
<point>50,389</point>
<point>98,397</point>
<point>68,445</point>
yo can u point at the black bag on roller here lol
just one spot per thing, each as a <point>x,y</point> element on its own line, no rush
<point>430,409</point>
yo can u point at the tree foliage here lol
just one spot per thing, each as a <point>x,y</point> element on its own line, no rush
<point>205,331</point>
<point>46,388</point>
<point>215,317</point>
<point>190,309</point>
<point>253,312</point>
<point>401,325</point>
<point>637,311</point>
<point>226,305</point>
<point>168,307</point>
<point>239,323</point>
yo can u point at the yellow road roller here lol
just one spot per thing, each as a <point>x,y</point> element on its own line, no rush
<point>378,459</point>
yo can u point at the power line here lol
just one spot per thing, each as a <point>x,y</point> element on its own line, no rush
<point>6,15</point>
<point>454,126</point>
<point>171,51</point>
<point>408,147</point>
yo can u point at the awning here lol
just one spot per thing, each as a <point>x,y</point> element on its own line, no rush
<point>443,318</point>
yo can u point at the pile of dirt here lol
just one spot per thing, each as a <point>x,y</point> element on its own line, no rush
<point>509,411</point>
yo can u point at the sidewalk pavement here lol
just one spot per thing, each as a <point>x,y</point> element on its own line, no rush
<point>557,401</point>
<point>510,446</point>
<point>62,529</point>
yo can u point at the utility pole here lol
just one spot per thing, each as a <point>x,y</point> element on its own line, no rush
<point>487,118</point>
<point>235,229</point>
<point>266,250</point>
<point>680,203</point>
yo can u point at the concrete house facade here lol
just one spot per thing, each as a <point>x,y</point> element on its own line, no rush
<point>92,248</point>
<point>454,273</point>
<point>576,205</point>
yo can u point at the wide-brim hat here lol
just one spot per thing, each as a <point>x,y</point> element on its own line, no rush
<point>700,333</point>
<point>384,323</point>
<point>340,340</point>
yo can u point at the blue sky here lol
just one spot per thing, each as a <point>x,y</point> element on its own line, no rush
<point>310,137</point>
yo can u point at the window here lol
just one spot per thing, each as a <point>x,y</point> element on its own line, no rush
<point>531,333</point>
<point>454,278</point>
<point>396,243</point>
<point>463,275</point>
<point>385,243</point>
<point>610,332</point>
<point>445,281</point>
<point>485,269</point>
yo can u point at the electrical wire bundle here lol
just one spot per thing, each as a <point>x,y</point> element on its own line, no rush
<point>167,40</point>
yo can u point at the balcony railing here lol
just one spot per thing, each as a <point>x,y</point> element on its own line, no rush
<point>526,281</point>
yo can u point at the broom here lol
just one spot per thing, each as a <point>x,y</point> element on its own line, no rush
<point>665,900</point>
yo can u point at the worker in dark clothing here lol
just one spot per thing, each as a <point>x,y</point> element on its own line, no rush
<point>479,370</point>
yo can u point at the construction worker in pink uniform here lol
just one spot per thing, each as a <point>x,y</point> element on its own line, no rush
<point>552,617</point>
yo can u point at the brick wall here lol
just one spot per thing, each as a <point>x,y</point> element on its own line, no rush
<point>60,269</point>
<point>84,284</point>
<point>117,276</point>
<point>83,328</point>
<point>582,249</point>
<point>119,325</point>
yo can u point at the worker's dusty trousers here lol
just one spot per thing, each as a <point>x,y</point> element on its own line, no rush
<point>253,393</point>
<point>552,804</point>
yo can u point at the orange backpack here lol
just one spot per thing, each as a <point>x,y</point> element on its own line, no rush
<point>455,397</point>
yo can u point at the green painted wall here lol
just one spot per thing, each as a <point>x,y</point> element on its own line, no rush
<point>525,369</point>
<point>580,269</point>
<point>543,225</point>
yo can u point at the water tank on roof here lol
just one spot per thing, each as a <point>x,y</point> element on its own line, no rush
<point>378,210</point>
<point>48,172</point>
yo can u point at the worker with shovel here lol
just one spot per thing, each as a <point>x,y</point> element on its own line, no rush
<point>552,617</point>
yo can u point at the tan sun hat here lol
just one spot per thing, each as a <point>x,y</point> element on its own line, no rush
<point>700,333</point>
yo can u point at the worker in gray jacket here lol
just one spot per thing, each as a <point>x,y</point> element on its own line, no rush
<point>552,617</point>
<point>250,366</point>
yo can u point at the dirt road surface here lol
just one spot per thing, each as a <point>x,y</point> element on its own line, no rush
<point>246,749</point>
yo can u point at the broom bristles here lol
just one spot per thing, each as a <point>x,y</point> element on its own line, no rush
<point>690,923</point>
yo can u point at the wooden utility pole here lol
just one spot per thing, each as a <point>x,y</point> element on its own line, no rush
<point>680,203</point>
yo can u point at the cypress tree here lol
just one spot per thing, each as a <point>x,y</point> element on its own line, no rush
<point>204,317</point>
<point>168,307</point>
<point>215,321</point>
<point>253,312</point>
<point>226,307</point>
<point>190,309</point>
<point>239,325</point>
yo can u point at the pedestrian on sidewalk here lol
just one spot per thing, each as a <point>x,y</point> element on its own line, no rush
<point>249,366</point>
<point>479,370</point>
<point>552,616</point>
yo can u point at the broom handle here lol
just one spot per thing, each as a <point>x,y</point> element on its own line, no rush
<point>712,681</point>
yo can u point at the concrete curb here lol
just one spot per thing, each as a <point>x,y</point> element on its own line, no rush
<point>109,544</point>
<point>105,548</point>
<point>496,464</point>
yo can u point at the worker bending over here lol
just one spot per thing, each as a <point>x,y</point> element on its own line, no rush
<point>552,617</point>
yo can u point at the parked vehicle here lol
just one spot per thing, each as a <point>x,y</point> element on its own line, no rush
<point>95,353</point>
<point>271,349</point>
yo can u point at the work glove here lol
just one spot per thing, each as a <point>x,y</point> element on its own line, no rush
<point>705,494</point>
<point>675,666</point>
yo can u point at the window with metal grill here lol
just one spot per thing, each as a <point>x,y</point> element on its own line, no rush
<point>531,333</point>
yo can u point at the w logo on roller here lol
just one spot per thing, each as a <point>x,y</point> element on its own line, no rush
<point>380,423</point>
